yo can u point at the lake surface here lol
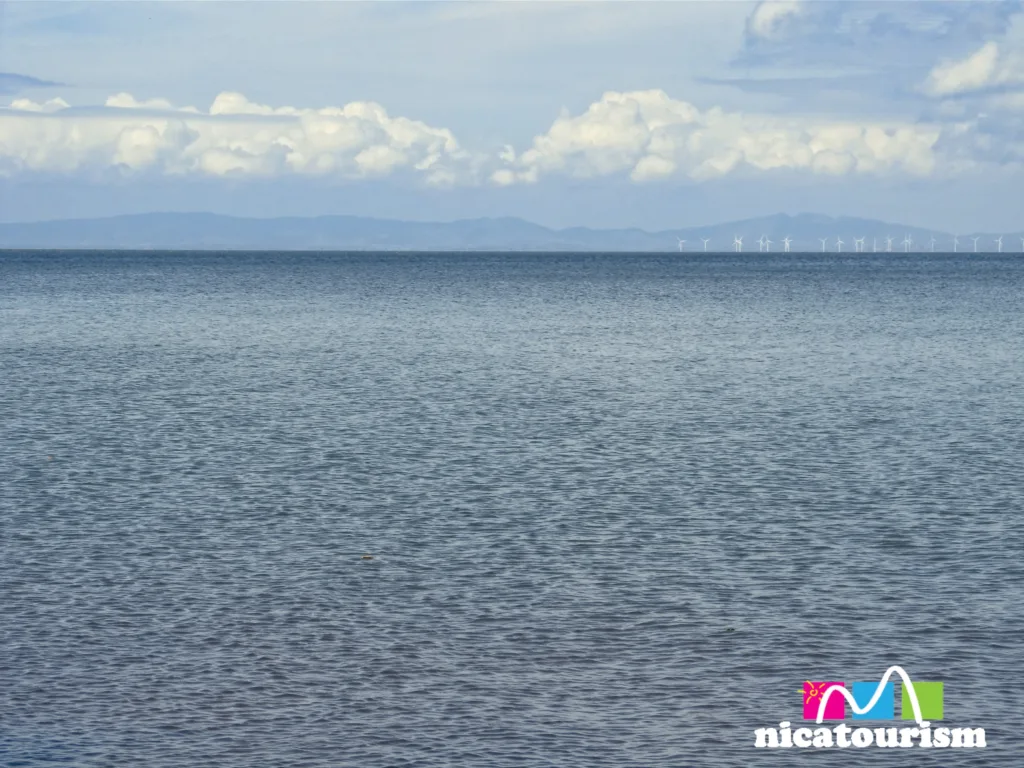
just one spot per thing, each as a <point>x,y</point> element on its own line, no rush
<point>620,507</point>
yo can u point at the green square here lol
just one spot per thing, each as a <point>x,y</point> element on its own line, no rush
<point>929,697</point>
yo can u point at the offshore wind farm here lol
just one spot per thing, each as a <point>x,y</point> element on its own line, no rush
<point>803,233</point>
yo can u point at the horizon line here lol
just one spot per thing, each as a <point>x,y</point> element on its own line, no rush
<point>557,229</point>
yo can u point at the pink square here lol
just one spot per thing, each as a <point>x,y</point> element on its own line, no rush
<point>835,709</point>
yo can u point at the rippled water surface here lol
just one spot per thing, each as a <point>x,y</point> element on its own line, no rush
<point>620,507</point>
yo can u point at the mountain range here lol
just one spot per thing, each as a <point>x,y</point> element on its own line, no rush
<point>207,231</point>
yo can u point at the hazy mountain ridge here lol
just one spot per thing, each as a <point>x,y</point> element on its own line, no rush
<point>207,231</point>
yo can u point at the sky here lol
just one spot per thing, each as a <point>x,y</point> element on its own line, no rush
<point>614,114</point>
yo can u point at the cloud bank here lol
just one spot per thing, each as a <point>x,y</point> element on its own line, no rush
<point>649,135</point>
<point>645,135</point>
<point>234,137</point>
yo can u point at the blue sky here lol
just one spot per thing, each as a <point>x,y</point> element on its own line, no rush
<point>649,114</point>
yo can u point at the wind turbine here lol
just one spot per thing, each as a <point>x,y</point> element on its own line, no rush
<point>839,244</point>
<point>823,241</point>
<point>681,243</point>
<point>705,240</point>
<point>767,245</point>
<point>999,243</point>
<point>933,241</point>
<point>858,244</point>
<point>1022,245</point>
<point>907,242</point>
<point>787,240</point>
<point>737,242</point>
<point>956,243</point>
<point>975,239</point>
<point>760,243</point>
<point>874,245</point>
<point>888,243</point>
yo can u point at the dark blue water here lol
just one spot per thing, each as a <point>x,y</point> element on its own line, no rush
<point>620,507</point>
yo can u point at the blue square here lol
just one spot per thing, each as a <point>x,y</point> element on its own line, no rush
<point>885,707</point>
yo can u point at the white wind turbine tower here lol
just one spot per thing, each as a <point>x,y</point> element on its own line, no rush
<point>823,241</point>
<point>705,240</point>
<point>932,242</point>
<point>760,243</point>
<point>956,243</point>
<point>767,245</point>
<point>839,244</point>
<point>858,244</point>
<point>975,239</point>
<point>787,240</point>
<point>1022,245</point>
<point>907,242</point>
<point>737,242</point>
<point>681,243</point>
<point>999,243</point>
<point>888,243</point>
<point>874,245</point>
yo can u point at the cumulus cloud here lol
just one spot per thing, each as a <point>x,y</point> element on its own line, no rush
<point>987,67</point>
<point>649,135</point>
<point>234,137</point>
<point>51,105</point>
<point>645,135</point>
<point>127,101</point>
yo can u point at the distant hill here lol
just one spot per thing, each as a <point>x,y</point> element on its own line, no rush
<point>207,231</point>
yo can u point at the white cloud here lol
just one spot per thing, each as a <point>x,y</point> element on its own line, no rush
<point>645,135</point>
<point>649,135</point>
<point>235,136</point>
<point>972,73</point>
<point>769,16</point>
<point>27,105</point>
<point>127,101</point>
<point>987,67</point>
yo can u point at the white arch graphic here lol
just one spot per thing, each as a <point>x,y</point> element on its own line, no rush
<point>848,695</point>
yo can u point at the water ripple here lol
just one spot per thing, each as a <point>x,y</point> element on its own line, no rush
<point>619,507</point>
